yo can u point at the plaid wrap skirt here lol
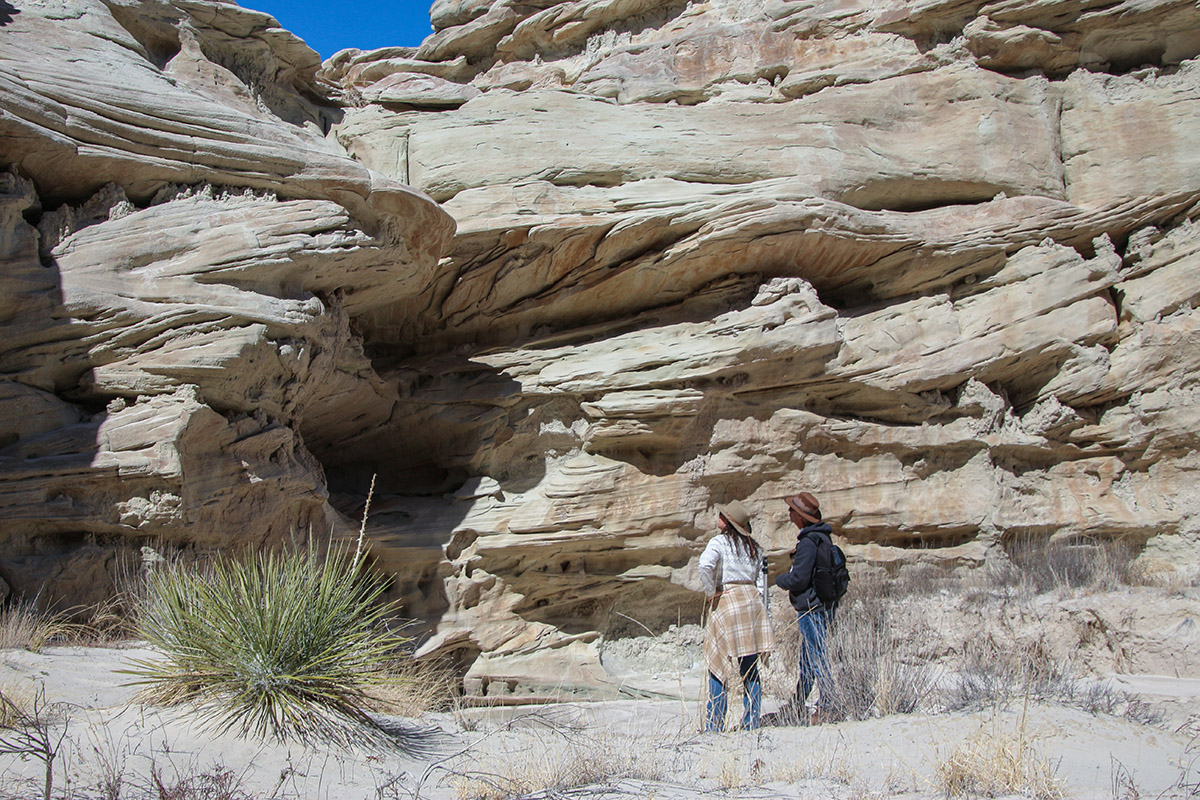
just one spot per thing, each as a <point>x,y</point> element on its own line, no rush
<point>738,627</point>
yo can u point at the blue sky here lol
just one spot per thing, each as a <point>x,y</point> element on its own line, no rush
<point>366,24</point>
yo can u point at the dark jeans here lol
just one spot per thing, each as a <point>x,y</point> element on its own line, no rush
<point>718,698</point>
<point>814,659</point>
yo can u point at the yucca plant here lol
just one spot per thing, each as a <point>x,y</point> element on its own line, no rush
<point>283,646</point>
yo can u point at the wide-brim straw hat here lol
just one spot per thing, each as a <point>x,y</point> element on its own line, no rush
<point>736,515</point>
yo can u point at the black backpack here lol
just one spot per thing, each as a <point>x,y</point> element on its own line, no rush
<point>831,578</point>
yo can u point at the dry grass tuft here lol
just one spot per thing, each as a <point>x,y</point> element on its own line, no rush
<point>825,761</point>
<point>730,775</point>
<point>25,624</point>
<point>414,687</point>
<point>16,703</point>
<point>108,623</point>
<point>997,764</point>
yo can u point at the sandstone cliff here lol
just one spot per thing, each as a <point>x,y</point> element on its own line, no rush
<point>935,262</point>
<point>184,255</point>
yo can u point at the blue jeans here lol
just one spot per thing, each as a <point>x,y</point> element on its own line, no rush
<point>814,659</point>
<point>718,698</point>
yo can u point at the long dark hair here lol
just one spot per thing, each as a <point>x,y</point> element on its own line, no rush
<point>742,544</point>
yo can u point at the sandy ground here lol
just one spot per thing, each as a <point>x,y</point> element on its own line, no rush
<point>637,748</point>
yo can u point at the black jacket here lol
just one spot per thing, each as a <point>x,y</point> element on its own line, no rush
<point>799,579</point>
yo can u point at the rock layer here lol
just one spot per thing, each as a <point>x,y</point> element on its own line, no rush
<point>174,355</point>
<point>570,274</point>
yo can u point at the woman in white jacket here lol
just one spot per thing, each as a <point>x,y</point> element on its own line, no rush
<point>738,637</point>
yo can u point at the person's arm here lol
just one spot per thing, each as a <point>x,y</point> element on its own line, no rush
<point>799,577</point>
<point>710,567</point>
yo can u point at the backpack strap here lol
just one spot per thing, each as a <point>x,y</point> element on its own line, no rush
<point>823,549</point>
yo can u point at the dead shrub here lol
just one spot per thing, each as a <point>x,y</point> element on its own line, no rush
<point>36,730</point>
<point>558,759</point>
<point>873,670</point>
<point>217,783</point>
<point>920,580</point>
<point>1188,784</point>
<point>991,675</point>
<point>1040,566</point>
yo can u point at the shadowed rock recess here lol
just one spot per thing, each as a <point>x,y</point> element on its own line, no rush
<point>571,273</point>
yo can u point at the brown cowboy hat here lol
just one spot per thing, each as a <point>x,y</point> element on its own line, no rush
<point>806,506</point>
<point>736,515</point>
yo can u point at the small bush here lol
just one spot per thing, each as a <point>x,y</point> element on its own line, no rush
<point>991,676</point>
<point>283,646</point>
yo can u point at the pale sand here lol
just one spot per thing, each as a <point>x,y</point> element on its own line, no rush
<point>640,748</point>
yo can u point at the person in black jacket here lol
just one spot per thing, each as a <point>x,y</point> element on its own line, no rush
<point>813,616</point>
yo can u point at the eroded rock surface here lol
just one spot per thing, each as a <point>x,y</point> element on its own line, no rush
<point>935,262</point>
<point>184,254</point>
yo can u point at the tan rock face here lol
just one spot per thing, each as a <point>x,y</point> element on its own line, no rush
<point>934,262</point>
<point>970,133</point>
<point>173,356</point>
<point>1127,135</point>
